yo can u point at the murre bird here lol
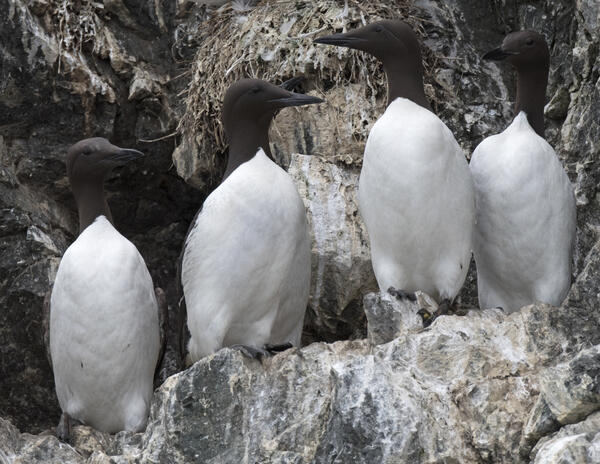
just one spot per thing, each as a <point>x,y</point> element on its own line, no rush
<point>245,265</point>
<point>525,204</point>
<point>415,188</point>
<point>104,335</point>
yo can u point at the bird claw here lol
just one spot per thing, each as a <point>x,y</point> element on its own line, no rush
<point>274,349</point>
<point>259,353</point>
<point>402,295</point>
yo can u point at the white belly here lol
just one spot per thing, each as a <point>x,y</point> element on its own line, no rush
<point>416,197</point>
<point>525,220</point>
<point>246,264</point>
<point>104,334</point>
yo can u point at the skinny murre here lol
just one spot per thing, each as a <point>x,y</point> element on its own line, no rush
<point>415,189</point>
<point>104,333</point>
<point>526,219</point>
<point>245,265</point>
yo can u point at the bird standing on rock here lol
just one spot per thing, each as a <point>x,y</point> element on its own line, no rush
<point>415,189</point>
<point>526,220</point>
<point>105,318</point>
<point>245,265</point>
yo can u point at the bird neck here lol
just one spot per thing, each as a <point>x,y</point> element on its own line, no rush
<point>91,202</point>
<point>531,96</point>
<point>405,80</point>
<point>245,139</point>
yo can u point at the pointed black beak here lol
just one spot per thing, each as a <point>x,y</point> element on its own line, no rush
<point>340,40</point>
<point>498,54</point>
<point>296,99</point>
<point>125,155</point>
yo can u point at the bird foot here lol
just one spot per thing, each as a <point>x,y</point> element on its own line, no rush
<point>64,428</point>
<point>187,361</point>
<point>260,353</point>
<point>428,318</point>
<point>402,295</point>
<point>274,349</point>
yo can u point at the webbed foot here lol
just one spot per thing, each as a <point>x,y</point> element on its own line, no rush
<point>402,295</point>
<point>260,353</point>
<point>274,349</point>
<point>64,428</point>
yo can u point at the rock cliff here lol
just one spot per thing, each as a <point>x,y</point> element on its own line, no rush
<point>371,385</point>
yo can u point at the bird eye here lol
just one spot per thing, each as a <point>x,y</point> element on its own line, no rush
<point>87,151</point>
<point>379,29</point>
<point>255,89</point>
<point>529,41</point>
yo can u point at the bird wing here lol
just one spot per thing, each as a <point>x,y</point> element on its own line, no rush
<point>163,327</point>
<point>183,332</point>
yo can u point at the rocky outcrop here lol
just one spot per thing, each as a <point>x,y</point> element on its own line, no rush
<point>569,392</point>
<point>390,316</point>
<point>467,389</point>
<point>341,263</point>
<point>483,387</point>
<point>71,70</point>
<point>578,443</point>
<point>17,448</point>
<point>580,132</point>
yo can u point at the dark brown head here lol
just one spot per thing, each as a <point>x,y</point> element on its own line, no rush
<point>251,102</point>
<point>385,39</point>
<point>396,45</point>
<point>248,109</point>
<point>90,160</point>
<point>528,52</point>
<point>522,49</point>
<point>88,163</point>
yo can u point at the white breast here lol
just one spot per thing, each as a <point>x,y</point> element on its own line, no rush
<point>246,264</point>
<point>525,220</point>
<point>104,335</point>
<point>416,197</point>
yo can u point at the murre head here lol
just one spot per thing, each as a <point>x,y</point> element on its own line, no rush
<point>528,52</point>
<point>88,163</point>
<point>385,39</point>
<point>91,159</point>
<point>254,100</point>
<point>395,44</point>
<point>522,49</point>
<point>248,109</point>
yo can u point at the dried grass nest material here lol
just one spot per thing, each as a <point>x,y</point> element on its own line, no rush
<point>273,41</point>
<point>76,22</point>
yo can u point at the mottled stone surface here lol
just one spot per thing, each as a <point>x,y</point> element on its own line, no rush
<point>459,391</point>
<point>390,317</point>
<point>574,444</point>
<point>569,392</point>
<point>485,387</point>
<point>341,262</point>
<point>17,448</point>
